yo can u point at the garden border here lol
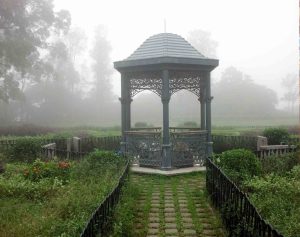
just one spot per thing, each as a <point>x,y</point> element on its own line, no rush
<point>239,215</point>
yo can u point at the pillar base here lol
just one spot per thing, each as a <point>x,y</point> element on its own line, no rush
<point>166,157</point>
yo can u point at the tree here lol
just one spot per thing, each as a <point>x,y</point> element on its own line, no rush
<point>101,66</point>
<point>237,96</point>
<point>290,83</point>
<point>202,41</point>
<point>25,27</point>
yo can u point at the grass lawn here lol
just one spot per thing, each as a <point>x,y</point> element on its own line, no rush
<point>55,198</point>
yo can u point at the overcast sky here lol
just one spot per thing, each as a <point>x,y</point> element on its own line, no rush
<point>259,37</point>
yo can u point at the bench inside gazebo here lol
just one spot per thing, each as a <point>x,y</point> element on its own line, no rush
<point>166,63</point>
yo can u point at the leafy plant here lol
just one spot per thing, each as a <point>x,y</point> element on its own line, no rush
<point>25,149</point>
<point>190,124</point>
<point>239,164</point>
<point>276,135</point>
<point>279,164</point>
<point>140,125</point>
<point>277,198</point>
<point>40,169</point>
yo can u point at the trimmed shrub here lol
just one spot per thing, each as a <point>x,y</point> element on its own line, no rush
<point>239,164</point>
<point>276,135</point>
<point>25,149</point>
<point>40,170</point>
<point>190,124</point>
<point>279,164</point>
<point>140,125</point>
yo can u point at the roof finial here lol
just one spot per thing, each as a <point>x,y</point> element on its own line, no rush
<point>165,25</point>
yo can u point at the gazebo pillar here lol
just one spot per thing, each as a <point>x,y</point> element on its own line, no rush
<point>202,104</point>
<point>125,110</point>
<point>208,100</point>
<point>165,98</point>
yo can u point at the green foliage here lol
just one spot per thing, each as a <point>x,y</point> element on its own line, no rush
<point>277,198</point>
<point>44,205</point>
<point>276,135</point>
<point>125,212</point>
<point>51,169</point>
<point>239,164</point>
<point>223,143</point>
<point>25,149</point>
<point>26,26</point>
<point>279,164</point>
<point>190,124</point>
<point>140,125</point>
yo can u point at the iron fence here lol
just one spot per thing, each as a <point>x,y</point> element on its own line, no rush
<point>99,223</point>
<point>239,215</point>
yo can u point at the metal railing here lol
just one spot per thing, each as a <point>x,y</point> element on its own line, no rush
<point>275,151</point>
<point>239,215</point>
<point>99,223</point>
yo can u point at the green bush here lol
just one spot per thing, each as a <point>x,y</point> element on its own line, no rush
<point>276,135</point>
<point>19,187</point>
<point>279,164</point>
<point>239,164</point>
<point>25,149</point>
<point>190,124</point>
<point>277,199</point>
<point>52,169</point>
<point>98,160</point>
<point>140,125</point>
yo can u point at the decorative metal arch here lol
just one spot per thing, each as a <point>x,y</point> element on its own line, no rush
<point>140,81</point>
<point>186,80</point>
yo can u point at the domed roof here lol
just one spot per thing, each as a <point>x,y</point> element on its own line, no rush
<point>165,45</point>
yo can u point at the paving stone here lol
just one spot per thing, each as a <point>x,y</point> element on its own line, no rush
<point>186,214</point>
<point>151,214</point>
<point>169,219</point>
<point>189,232</point>
<point>184,210</point>
<point>207,226</point>
<point>187,219</point>
<point>153,231</point>
<point>170,214</point>
<point>169,205</point>
<point>153,225</point>
<point>182,201</point>
<point>208,232</point>
<point>154,210</point>
<point>153,219</point>
<point>187,225</point>
<point>205,221</point>
<point>169,209</point>
<point>170,225</point>
<point>171,231</point>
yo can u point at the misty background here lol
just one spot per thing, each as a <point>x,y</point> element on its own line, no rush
<point>56,60</point>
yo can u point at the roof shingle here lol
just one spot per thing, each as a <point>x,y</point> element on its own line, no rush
<point>165,45</point>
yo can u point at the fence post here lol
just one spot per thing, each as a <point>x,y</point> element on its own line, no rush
<point>69,147</point>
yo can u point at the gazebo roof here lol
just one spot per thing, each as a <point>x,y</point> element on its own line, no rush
<point>166,48</point>
<point>165,45</point>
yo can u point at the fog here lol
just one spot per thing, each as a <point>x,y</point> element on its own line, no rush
<point>56,60</point>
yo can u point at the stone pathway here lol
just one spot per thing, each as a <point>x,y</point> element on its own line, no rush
<point>175,206</point>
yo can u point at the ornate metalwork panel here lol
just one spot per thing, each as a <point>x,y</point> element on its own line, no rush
<point>140,81</point>
<point>144,147</point>
<point>189,148</point>
<point>188,80</point>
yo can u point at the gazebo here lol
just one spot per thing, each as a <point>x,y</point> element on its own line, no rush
<point>164,64</point>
